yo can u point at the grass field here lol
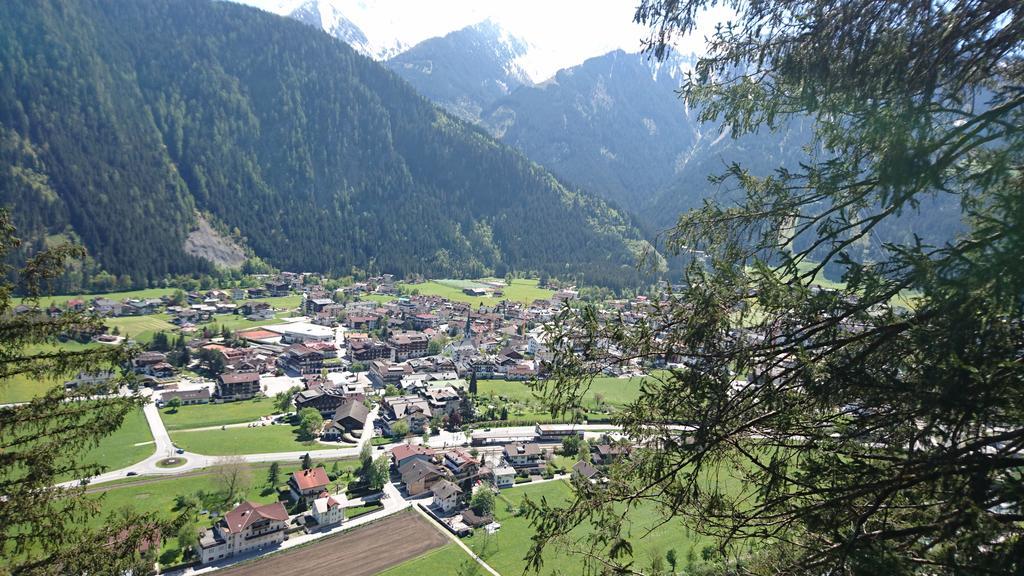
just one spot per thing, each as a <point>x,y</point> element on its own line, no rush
<point>119,449</point>
<point>116,296</point>
<point>235,322</point>
<point>141,328</point>
<point>616,391</point>
<point>157,496</point>
<point>444,560</point>
<point>505,550</point>
<point>22,388</point>
<point>521,290</point>
<point>202,415</point>
<point>264,439</point>
<point>290,302</point>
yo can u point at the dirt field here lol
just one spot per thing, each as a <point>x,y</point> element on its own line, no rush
<point>363,551</point>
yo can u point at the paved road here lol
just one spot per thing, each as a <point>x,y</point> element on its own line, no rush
<point>165,448</point>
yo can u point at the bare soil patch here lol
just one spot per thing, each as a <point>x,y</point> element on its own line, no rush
<point>363,551</point>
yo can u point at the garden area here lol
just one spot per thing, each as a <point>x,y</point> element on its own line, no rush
<point>518,403</point>
<point>245,440</point>
<point>130,443</point>
<point>506,549</point>
<point>210,492</point>
<point>521,290</point>
<point>203,415</point>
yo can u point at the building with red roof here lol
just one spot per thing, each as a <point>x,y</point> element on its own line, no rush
<point>248,527</point>
<point>308,484</point>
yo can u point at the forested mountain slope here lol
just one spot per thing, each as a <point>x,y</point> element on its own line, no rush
<point>120,119</point>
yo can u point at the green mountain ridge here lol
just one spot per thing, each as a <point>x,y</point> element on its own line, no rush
<point>119,120</point>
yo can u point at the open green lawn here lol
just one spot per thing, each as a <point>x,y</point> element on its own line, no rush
<point>444,560</point>
<point>235,322</point>
<point>615,391</point>
<point>521,290</point>
<point>145,494</point>
<point>22,388</point>
<point>131,443</point>
<point>202,415</point>
<point>244,440</point>
<point>289,302</point>
<point>505,550</point>
<point>116,296</point>
<point>141,328</point>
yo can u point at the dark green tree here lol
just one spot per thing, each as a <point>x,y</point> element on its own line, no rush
<point>273,474</point>
<point>472,383</point>
<point>874,427</point>
<point>307,462</point>
<point>46,528</point>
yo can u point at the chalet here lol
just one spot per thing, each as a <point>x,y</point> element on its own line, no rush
<point>446,495</point>
<point>257,311</point>
<point>524,455</point>
<point>248,527</point>
<point>237,385</point>
<point>395,407</point>
<point>308,484</point>
<point>324,399</point>
<point>461,464</point>
<point>443,399</point>
<point>277,288</point>
<point>419,476</point>
<point>365,350</point>
<point>504,476</point>
<point>349,417</point>
<point>404,453</point>
<point>106,307</point>
<point>605,454</point>
<point>584,470</point>
<point>301,359</point>
<point>315,305</point>
<point>99,378</point>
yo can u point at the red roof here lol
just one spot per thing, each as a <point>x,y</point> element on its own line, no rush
<point>404,451</point>
<point>257,334</point>
<point>310,479</point>
<point>248,513</point>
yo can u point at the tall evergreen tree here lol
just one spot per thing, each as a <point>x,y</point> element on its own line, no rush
<point>45,527</point>
<point>873,428</point>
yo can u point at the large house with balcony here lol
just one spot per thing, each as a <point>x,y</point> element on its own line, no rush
<point>248,527</point>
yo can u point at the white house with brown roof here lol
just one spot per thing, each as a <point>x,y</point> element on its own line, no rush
<point>329,509</point>
<point>247,527</point>
<point>446,495</point>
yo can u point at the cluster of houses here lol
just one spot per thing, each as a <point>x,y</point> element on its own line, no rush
<point>249,527</point>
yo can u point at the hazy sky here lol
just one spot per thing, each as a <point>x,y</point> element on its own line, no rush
<point>562,32</point>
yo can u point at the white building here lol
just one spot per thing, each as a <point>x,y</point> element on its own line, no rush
<point>329,510</point>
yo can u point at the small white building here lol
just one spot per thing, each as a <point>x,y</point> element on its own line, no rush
<point>329,510</point>
<point>446,495</point>
<point>504,476</point>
